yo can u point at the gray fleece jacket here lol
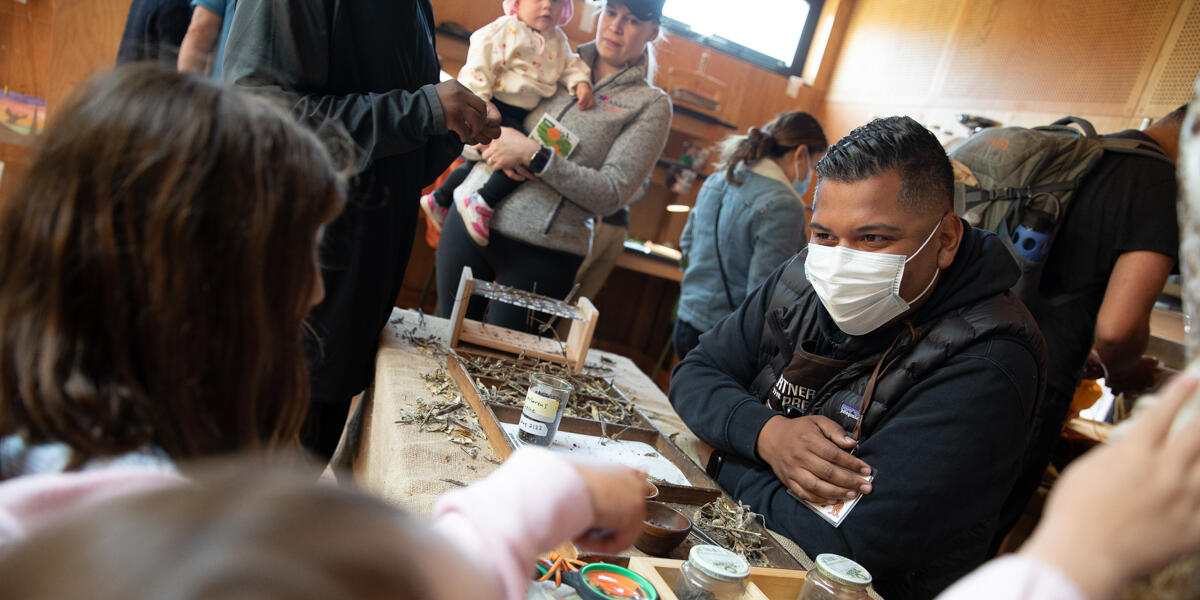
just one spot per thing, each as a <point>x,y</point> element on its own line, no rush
<point>620,140</point>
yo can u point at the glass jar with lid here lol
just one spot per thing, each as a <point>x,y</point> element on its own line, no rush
<point>835,578</point>
<point>712,573</point>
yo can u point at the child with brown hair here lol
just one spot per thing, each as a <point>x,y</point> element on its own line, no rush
<point>156,266</point>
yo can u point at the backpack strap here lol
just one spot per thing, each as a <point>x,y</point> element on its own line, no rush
<point>1084,124</point>
<point>1135,147</point>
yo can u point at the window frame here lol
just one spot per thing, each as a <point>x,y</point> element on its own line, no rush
<point>749,55</point>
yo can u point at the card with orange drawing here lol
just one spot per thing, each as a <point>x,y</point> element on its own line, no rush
<point>551,134</point>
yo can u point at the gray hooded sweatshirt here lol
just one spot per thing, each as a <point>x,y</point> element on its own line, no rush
<point>619,141</point>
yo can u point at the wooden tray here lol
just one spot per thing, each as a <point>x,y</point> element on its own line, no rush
<point>765,584</point>
<point>491,415</point>
<point>686,499</point>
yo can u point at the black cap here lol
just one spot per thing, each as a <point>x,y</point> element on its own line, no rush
<point>646,10</point>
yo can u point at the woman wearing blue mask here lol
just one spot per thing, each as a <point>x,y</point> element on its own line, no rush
<point>747,222</point>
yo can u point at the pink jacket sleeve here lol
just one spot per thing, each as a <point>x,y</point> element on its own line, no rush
<point>33,500</point>
<point>533,502</point>
<point>1017,577</point>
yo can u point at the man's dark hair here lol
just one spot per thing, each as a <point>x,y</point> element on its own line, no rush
<point>900,144</point>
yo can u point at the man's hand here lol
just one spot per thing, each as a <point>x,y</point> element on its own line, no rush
<point>1137,377</point>
<point>806,454</point>
<point>473,119</point>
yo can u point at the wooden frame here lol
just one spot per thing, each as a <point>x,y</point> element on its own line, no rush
<point>764,583</point>
<point>573,353</point>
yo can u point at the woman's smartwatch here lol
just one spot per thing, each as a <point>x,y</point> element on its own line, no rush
<point>537,162</point>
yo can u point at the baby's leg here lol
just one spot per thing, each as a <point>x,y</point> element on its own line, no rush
<point>444,195</point>
<point>497,188</point>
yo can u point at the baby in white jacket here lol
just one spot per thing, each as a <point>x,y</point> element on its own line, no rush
<point>515,61</point>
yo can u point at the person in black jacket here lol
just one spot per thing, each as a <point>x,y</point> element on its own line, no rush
<point>153,30</point>
<point>890,349</point>
<point>370,66</point>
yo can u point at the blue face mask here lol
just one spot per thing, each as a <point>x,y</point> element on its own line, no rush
<point>801,185</point>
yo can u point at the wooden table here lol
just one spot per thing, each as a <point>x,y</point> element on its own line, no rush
<point>409,467</point>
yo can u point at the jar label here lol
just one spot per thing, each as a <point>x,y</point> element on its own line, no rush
<point>533,426</point>
<point>541,407</point>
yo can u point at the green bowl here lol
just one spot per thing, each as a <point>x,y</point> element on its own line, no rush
<point>651,593</point>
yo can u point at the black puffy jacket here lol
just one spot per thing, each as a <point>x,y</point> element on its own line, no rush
<point>945,432</point>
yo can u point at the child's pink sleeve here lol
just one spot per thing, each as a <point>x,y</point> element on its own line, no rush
<point>533,502</point>
<point>1014,576</point>
<point>31,501</point>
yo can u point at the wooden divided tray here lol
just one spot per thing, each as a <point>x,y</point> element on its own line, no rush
<point>477,388</point>
<point>764,584</point>
<point>637,427</point>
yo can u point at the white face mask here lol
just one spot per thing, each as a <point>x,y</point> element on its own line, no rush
<point>861,290</point>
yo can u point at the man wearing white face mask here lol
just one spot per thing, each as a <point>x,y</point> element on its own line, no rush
<point>747,221</point>
<point>889,348</point>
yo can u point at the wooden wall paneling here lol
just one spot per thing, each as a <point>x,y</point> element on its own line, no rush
<point>892,50</point>
<point>1173,79</point>
<point>24,60</point>
<point>84,41</point>
<point>29,48</point>
<point>1102,61</point>
<point>1056,55</point>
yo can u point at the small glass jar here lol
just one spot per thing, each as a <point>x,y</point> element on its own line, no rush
<point>835,578</point>
<point>543,409</point>
<point>712,573</point>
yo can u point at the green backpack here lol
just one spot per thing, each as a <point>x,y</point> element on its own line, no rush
<point>1027,180</point>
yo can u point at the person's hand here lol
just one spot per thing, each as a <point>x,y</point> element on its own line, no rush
<point>583,91</point>
<point>1139,376</point>
<point>1130,507</point>
<point>618,497</point>
<point>511,150</point>
<point>807,455</point>
<point>1093,367</point>
<point>475,120</point>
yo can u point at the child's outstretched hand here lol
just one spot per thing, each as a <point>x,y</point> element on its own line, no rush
<point>583,91</point>
<point>618,497</point>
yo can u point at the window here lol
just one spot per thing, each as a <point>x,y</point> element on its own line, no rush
<point>774,34</point>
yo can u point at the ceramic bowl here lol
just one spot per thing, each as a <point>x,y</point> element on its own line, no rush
<point>663,529</point>
<point>651,490</point>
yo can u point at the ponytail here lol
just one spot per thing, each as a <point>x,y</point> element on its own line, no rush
<point>785,133</point>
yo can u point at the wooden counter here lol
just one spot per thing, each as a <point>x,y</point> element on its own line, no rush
<point>648,265</point>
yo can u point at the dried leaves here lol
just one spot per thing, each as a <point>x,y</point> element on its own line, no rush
<point>728,522</point>
<point>446,413</point>
<point>505,381</point>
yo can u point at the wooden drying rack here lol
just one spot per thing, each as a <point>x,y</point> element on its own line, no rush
<point>573,353</point>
